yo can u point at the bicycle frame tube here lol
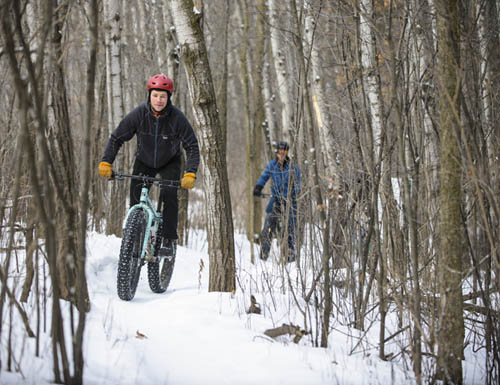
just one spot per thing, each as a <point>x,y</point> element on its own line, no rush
<point>152,217</point>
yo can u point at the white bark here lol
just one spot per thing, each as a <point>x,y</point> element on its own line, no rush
<point>159,29</point>
<point>268,104</point>
<point>370,78</point>
<point>113,21</point>
<point>137,27</point>
<point>216,187</point>
<point>171,44</point>
<point>321,110</point>
<point>280,65</point>
<point>112,10</point>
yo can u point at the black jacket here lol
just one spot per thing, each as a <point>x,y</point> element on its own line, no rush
<point>158,138</point>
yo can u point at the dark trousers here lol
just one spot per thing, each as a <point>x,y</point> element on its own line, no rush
<point>273,216</point>
<point>168,195</point>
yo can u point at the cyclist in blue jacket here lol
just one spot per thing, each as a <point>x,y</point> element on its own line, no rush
<point>286,179</point>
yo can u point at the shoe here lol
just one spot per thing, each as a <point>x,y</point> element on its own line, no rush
<point>263,256</point>
<point>292,257</point>
<point>168,248</point>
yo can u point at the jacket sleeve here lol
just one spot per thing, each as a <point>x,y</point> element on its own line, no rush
<point>190,145</point>
<point>266,174</point>
<point>123,133</point>
<point>297,180</point>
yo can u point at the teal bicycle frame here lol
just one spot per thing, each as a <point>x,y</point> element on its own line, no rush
<point>154,216</point>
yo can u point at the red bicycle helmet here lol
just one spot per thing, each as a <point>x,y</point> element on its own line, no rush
<point>161,82</point>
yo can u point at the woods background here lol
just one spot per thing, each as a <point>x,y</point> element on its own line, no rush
<point>392,112</point>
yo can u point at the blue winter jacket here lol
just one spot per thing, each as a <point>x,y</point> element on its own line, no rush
<point>280,176</point>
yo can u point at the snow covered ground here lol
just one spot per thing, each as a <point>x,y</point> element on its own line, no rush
<point>188,336</point>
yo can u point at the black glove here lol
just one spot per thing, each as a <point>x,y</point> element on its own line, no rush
<point>257,191</point>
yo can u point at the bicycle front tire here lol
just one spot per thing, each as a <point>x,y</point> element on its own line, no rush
<point>130,263</point>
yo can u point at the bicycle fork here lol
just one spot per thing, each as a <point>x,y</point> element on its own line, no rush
<point>151,230</point>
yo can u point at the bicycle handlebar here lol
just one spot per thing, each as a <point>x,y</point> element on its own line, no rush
<point>267,195</point>
<point>148,179</point>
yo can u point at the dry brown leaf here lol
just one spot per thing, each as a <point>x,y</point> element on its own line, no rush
<point>139,335</point>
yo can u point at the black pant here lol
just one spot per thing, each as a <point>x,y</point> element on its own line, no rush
<point>168,195</point>
<point>271,226</point>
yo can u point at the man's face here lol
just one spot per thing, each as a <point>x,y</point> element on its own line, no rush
<point>159,100</point>
<point>281,154</point>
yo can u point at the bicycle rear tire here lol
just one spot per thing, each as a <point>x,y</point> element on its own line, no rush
<point>130,263</point>
<point>160,273</point>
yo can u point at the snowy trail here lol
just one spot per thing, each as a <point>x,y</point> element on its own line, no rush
<point>191,336</point>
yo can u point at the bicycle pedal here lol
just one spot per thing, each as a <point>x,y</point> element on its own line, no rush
<point>168,258</point>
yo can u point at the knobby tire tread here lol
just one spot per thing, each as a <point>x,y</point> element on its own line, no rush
<point>160,274</point>
<point>129,264</point>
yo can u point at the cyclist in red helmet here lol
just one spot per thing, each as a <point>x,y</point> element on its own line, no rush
<point>161,129</point>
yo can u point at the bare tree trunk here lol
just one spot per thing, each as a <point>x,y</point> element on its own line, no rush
<point>254,208</point>
<point>371,152</point>
<point>172,49</point>
<point>410,187</point>
<point>319,98</point>
<point>256,135</point>
<point>280,65</point>
<point>117,191</point>
<point>34,97</point>
<point>451,329</point>
<point>160,44</point>
<point>311,138</point>
<point>62,150</point>
<point>81,293</point>
<point>100,134</point>
<point>492,26</point>
<point>30,267</point>
<point>220,224</point>
<point>271,132</point>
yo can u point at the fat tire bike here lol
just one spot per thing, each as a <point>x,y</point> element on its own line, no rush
<point>142,240</point>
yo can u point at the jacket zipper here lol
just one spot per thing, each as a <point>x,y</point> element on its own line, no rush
<point>156,142</point>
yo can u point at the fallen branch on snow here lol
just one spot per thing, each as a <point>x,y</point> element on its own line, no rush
<point>287,329</point>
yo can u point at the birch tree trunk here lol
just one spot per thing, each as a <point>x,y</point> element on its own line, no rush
<point>372,152</point>
<point>321,111</point>
<point>255,133</point>
<point>112,11</point>
<point>369,59</point>
<point>160,44</point>
<point>220,231</point>
<point>271,131</point>
<point>117,197</point>
<point>280,65</point>
<point>172,49</point>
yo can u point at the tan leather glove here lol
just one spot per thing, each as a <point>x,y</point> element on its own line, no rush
<point>188,180</point>
<point>105,169</point>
